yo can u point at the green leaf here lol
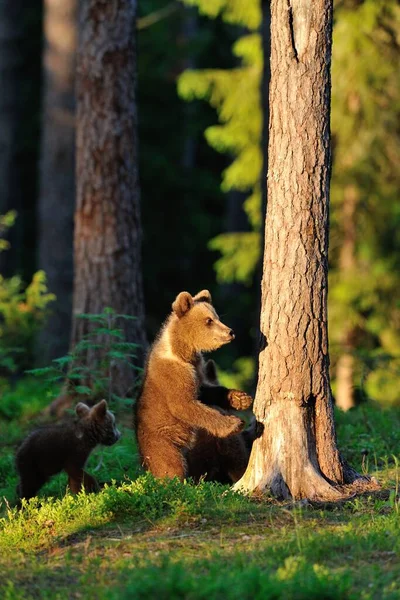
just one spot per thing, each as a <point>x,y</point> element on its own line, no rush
<point>83,389</point>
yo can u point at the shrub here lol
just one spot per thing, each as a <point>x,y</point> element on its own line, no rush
<point>23,310</point>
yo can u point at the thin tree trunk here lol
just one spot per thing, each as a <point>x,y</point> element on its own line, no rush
<point>297,455</point>
<point>107,240</point>
<point>57,186</point>
<point>345,398</point>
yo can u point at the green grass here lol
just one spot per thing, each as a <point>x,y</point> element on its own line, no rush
<point>143,538</point>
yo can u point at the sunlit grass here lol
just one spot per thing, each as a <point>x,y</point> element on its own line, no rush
<point>143,538</point>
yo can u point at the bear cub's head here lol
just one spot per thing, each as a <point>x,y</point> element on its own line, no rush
<point>97,424</point>
<point>199,323</point>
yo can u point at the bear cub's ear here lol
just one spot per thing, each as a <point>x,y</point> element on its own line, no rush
<point>203,296</point>
<point>82,410</point>
<point>211,371</point>
<point>182,304</point>
<point>99,410</point>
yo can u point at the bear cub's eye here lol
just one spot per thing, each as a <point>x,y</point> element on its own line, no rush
<point>209,321</point>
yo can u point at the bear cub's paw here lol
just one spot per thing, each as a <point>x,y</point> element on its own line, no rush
<point>239,400</point>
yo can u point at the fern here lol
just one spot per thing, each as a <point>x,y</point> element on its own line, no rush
<point>72,369</point>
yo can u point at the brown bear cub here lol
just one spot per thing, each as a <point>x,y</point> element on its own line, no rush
<point>169,412</point>
<point>65,446</point>
<point>213,459</point>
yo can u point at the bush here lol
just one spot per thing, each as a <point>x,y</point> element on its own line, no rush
<point>22,311</point>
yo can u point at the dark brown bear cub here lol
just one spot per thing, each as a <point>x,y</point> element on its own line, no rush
<point>54,448</point>
<point>213,459</point>
<point>169,413</point>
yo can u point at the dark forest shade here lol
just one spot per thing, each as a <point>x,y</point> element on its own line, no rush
<point>20,63</point>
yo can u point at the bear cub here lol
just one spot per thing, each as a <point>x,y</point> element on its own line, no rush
<point>214,459</point>
<point>176,400</point>
<point>65,446</point>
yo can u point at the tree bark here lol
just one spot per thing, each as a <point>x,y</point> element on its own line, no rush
<point>57,185</point>
<point>345,397</point>
<point>296,455</point>
<point>107,240</point>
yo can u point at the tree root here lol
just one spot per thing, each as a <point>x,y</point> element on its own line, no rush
<point>310,486</point>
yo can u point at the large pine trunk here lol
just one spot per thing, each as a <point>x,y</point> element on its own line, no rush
<point>107,238</point>
<point>297,456</point>
<point>57,185</point>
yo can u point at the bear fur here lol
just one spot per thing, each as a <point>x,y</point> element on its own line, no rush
<point>65,446</point>
<point>213,459</point>
<point>169,413</point>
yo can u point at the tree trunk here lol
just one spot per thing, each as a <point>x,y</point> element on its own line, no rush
<point>57,186</point>
<point>296,455</point>
<point>107,240</point>
<point>345,398</point>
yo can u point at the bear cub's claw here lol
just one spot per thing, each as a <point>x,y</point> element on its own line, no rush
<point>239,400</point>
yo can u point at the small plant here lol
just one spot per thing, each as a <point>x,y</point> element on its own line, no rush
<point>22,311</point>
<point>113,351</point>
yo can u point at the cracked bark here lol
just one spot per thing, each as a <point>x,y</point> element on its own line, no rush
<point>297,455</point>
<point>107,237</point>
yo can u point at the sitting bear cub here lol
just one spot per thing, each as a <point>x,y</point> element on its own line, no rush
<point>215,459</point>
<point>169,412</point>
<point>66,446</point>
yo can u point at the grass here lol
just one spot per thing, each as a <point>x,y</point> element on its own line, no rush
<point>143,538</point>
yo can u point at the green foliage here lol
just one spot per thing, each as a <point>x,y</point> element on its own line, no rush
<point>294,580</point>
<point>242,375</point>
<point>6,221</point>
<point>24,400</point>
<point>177,167</point>
<point>23,310</point>
<point>235,94</point>
<point>232,11</point>
<point>144,538</point>
<point>368,435</point>
<point>365,116</point>
<point>98,380</point>
<point>146,497</point>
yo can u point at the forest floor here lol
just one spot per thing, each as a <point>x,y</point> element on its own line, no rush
<point>142,538</point>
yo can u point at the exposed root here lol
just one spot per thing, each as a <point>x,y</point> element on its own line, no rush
<point>362,485</point>
<point>310,486</point>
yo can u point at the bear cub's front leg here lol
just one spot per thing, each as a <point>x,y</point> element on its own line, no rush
<point>214,394</point>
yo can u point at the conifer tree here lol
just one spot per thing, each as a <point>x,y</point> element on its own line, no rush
<point>364,312</point>
<point>235,93</point>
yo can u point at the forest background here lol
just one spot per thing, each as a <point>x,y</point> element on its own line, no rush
<point>200,87</point>
<point>203,107</point>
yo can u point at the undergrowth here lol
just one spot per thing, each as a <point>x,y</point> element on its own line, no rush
<point>144,538</point>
